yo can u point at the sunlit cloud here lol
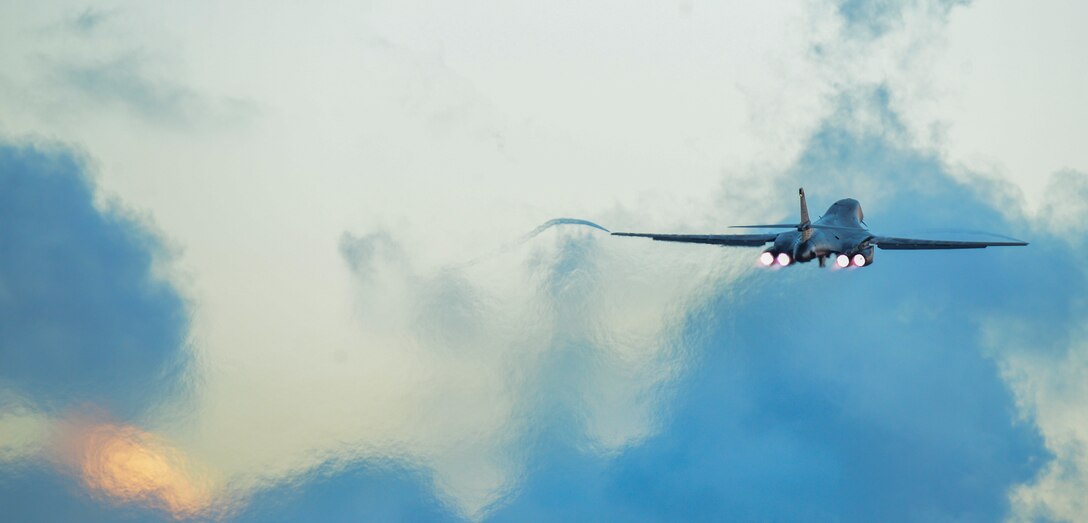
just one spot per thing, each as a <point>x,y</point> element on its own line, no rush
<point>125,465</point>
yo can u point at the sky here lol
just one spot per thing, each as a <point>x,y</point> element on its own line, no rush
<point>285,262</point>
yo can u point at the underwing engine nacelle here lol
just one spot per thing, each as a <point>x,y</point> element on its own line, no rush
<point>771,257</point>
<point>860,258</point>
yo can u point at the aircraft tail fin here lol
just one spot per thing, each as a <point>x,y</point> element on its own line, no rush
<point>804,206</point>
<point>806,224</point>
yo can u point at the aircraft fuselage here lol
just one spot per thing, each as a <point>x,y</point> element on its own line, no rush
<point>839,231</point>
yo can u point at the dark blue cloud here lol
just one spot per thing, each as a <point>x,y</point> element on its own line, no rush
<point>35,494</point>
<point>364,492</point>
<point>858,395</point>
<point>84,324</point>
<point>84,321</point>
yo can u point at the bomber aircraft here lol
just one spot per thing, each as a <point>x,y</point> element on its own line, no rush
<point>841,233</point>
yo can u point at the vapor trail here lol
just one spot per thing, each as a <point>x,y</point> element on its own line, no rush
<point>534,233</point>
<point>561,221</point>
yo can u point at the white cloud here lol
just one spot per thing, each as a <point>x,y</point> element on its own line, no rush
<point>1050,388</point>
<point>1006,92</point>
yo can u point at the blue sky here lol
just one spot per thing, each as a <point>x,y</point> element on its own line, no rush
<point>230,294</point>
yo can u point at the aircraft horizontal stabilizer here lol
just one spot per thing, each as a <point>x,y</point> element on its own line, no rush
<point>797,226</point>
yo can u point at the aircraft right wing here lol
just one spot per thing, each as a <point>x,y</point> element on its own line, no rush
<point>887,242</point>
<point>742,240</point>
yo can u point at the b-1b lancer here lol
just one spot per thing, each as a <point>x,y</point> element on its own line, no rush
<point>840,233</point>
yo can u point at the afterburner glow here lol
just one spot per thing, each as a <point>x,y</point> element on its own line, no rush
<point>842,260</point>
<point>859,260</point>
<point>766,259</point>
<point>783,259</point>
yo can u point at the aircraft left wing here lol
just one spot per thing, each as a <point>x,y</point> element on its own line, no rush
<point>742,240</point>
<point>887,242</point>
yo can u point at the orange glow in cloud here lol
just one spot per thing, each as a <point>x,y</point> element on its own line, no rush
<point>123,464</point>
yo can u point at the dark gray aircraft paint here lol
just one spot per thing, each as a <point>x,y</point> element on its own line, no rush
<point>840,233</point>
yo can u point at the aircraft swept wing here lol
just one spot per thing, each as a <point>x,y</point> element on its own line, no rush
<point>910,244</point>
<point>741,240</point>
